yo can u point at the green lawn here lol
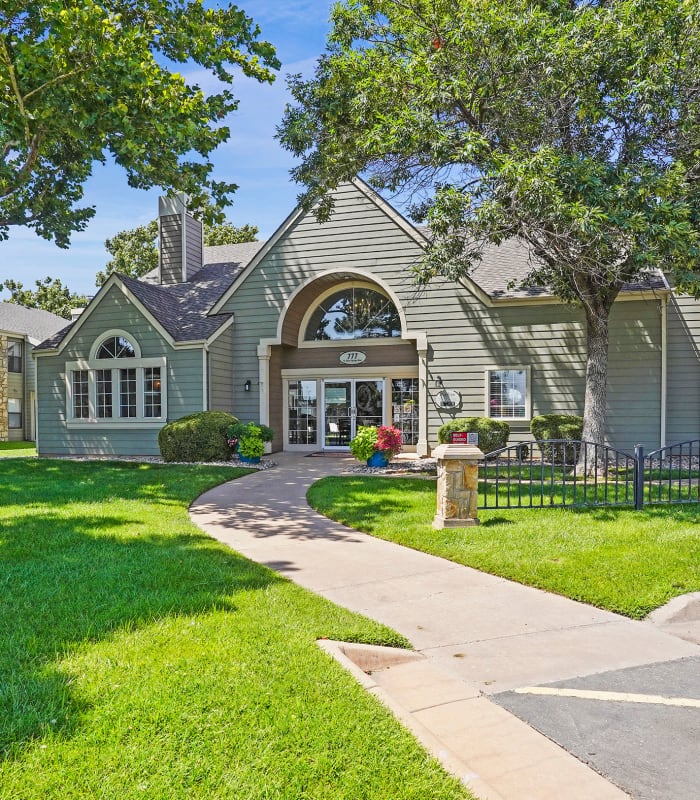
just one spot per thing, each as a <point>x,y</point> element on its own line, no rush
<point>623,560</point>
<point>141,659</point>
<point>17,449</point>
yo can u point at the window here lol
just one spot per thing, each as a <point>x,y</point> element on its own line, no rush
<point>115,387</point>
<point>405,408</point>
<point>353,313</point>
<point>81,396</point>
<point>127,392</point>
<point>14,358</point>
<point>151,392</point>
<point>103,386</point>
<point>508,393</point>
<point>302,412</point>
<point>14,412</point>
<point>116,347</point>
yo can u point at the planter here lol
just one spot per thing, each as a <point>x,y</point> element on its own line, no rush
<point>378,459</point>
<point>249,459</point>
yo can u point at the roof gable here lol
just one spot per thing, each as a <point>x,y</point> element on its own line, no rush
<point>34,323</point>
<point>355,203</point>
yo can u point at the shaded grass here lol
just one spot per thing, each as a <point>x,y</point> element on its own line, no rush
<point>17,449</point>
<point>619,559</point>
<point>140,658</point>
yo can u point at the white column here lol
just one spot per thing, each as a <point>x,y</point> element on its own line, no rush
<point>422,448</point>
<point>264,353</point>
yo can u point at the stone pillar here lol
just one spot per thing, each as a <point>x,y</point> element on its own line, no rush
<point>457,485</point>
<point>3,390</point>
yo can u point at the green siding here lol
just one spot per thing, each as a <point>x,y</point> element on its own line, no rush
<point>221,373</point>
<point>184,384</point>
<point>683,404</point>
<point>465,337</point>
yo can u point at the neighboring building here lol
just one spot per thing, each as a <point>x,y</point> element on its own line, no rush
<point>20,328</point>
<point>321,329</point>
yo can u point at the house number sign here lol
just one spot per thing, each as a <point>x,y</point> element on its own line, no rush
<point>352,357</point>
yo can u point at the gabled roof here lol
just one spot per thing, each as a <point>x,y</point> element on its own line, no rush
<point>503,268</point>
<point>182,309</point>
<point>34,323</point>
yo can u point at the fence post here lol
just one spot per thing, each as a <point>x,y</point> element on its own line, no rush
<point>638,477</point>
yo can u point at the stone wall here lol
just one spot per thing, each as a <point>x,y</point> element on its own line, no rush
<point>3,389</point>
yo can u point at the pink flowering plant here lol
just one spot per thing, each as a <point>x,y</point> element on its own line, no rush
<point>371,439</point>
<point>389,440</point>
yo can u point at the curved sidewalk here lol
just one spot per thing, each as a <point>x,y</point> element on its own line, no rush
<point>480,634</point>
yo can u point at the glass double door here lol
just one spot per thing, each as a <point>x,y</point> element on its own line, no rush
<point>348,404</point>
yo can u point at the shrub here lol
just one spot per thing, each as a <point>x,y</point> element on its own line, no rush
<point>557,426</point>
<point>241,429</point>
<point>250,444</point>
<point>493,434</point>
<point>197,437</point>
<point>365,442</point>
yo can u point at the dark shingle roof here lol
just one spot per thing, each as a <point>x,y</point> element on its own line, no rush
<point>504,268</point>
<point>34,323</point>
<point>182,308</point>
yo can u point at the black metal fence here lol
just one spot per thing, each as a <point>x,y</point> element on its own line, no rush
<point>564,473</point>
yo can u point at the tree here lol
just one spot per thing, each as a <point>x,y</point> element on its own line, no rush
<point>84,82</point>
<point>571,126</point>
<point>135,252</point>
<point>227,233</point>
<point>50,294</point>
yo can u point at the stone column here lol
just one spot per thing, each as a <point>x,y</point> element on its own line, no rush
<point>457,485</point>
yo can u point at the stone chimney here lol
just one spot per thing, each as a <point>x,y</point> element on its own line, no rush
<point>181,240</point>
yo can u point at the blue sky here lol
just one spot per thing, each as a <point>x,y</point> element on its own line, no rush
<point>251,158</point>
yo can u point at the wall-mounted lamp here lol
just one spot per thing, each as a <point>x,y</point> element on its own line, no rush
<point>247,385</point>
<point>439,383</point>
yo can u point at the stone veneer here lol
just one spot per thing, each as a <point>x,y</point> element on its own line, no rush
<point>458,485</point>
<point>4,432</point>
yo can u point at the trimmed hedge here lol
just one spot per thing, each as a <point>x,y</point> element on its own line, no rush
<point>197,437</point>
<point>557,426</point>
<point>493,435</point>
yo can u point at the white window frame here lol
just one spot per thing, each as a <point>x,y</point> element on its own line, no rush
<point>11,414</point>
<point>348,344</point>
<point>528,393</point>
<point>92,364</point>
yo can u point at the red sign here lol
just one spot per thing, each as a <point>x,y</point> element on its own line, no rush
<point>464,437</point>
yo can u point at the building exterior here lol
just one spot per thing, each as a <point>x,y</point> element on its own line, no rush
<point>321,329</point>
<point>20,329</point>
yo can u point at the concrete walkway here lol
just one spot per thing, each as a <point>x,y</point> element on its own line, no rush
<point>476,634</point>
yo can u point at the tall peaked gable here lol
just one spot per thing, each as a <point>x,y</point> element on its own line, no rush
<point>362,231</point>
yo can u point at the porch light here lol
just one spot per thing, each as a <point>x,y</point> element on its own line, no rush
<point>247,385</point>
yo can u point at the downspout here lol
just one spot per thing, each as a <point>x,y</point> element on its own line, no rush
<point>205,378</point>
<point>664,366</point>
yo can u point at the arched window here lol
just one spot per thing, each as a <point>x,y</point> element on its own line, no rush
<point>353,313</point>
<point>116,347</point>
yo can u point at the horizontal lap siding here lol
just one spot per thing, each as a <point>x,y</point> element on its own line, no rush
<point>683,405</point>
<point>221,371</point>
<point>465,336</point>
<point>184,384</point>
<point>634,374</point>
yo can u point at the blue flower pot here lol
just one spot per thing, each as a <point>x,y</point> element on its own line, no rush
<point>249,459</point>
<point>378,459</point>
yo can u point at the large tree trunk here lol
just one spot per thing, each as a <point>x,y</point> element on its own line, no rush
<point>595,398</point>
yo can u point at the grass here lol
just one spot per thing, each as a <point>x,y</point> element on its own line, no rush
<point>626,561</point>
<point>141,659</point>
<point>17,449</point>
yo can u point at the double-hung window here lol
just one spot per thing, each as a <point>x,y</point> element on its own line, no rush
<point>14,356</point>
